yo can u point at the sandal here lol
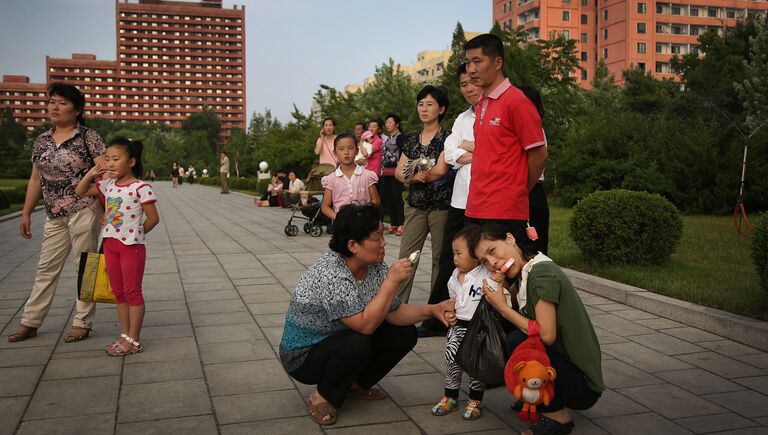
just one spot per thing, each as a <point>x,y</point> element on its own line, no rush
<point>371,394</point>
<point>77,333</point>
<point>322,413</point>
<point>472,411</point>
<point>24,332</point>
<point>547,426</point>
<point>121,350</point>
<point>115,342</point>
<point>445,406</point>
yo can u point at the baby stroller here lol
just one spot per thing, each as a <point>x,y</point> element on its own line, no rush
<point>312,214</point>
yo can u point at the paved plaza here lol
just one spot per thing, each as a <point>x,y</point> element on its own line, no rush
<point>219,277</point>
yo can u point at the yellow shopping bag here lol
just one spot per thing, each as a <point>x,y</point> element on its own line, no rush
<point>92,281</point>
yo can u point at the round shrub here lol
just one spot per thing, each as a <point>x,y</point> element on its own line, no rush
<point>17,195</point>
<point>4,203</point>
<point>760,249</point>
<point>626,227</point>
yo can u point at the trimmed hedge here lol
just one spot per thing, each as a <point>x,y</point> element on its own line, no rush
<point>4,202</point>
<point>626,227</point>
<point>760,250</point>
<point>17,195</point>
<point>250,184</point>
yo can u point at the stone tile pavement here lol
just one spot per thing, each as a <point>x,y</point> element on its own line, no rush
<point>217,284</point>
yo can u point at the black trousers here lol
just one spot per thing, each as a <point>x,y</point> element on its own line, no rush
<point>349,357</point>
<point>439,292</point>
<point>571,387</point>
<point>538,208</point>
<point>391,192</point>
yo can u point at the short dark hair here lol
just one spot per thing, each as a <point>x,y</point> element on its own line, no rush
<point>353,222</point>
<point>491,45</point>
<point>437,94</point>
<point>362,124</point>
<point>493,232</point>
<point>330,119</point>
<point>462,69</point>
<point>223,152</point>
<point>134,149</point>
<point>394,117</point>
<point>349,136</point>
<point>72,94</point>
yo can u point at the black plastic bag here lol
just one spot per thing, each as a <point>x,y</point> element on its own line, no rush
<point>481,353</point>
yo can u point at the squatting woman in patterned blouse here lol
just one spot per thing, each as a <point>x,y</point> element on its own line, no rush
<point>60,158</point>
<point>426,208</point>
<point>345,328</point>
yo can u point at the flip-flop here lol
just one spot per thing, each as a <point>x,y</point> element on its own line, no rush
<point>371,394</point>
<point>321,410</point>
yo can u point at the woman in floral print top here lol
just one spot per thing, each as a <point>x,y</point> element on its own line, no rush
<point>60,158</point>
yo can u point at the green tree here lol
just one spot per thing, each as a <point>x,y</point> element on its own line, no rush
<point>206,121</point>
<point>14,150</point>
<point>448,80</point>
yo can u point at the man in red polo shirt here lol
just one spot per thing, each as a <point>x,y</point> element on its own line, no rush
<point>510,151</point>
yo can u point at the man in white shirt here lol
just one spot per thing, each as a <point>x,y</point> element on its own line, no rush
<point>458,155</point>
<point>293,194</point>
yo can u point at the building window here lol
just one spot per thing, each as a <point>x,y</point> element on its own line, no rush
<point>675,49</point>
<point>641,47</point>
<point>605,34</point>
<point>694,12</point>
<point>584,19</point>
<point>584,38</point>
<point>641,28</point>
<point>584,2</point>
<point>659,67</point>
<point>567,34</point>
<point>583,56</point>
<point>712,13</point>
<point>659,48</point>
<point>730,14</point>
<point>566,16</point>
<point>641,8</point>
<point>605,53</point>
<point>675,10</point>
<point>583,74</point>
<point>641,66</point>
<point>605,15</point>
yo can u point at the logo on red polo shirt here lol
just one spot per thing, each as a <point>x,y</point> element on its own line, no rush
<point>496,122</point>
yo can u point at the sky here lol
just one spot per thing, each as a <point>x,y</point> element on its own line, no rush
<point>292,46</point>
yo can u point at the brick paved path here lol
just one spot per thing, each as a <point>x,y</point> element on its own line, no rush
<point>219,277</point>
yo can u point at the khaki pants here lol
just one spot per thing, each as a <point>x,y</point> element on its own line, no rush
<point>77,233</point>
<point>419,223</point>
<point>224,185</point>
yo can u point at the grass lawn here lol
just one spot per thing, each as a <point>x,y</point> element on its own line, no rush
<point>712,265</point>
<point>11,183</point>
<point>12,209</point>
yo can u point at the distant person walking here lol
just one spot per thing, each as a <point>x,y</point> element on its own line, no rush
<point>224,172</point>
<point>175,175</point>
<point>60,158</point>
<point>191,174</point>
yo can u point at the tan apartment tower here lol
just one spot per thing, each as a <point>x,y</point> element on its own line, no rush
<point>625,33</point>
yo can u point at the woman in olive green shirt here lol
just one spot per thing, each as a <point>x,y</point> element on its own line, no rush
<point>547,296</point>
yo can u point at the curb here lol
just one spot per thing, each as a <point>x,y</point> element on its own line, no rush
<point>746,330</point>
<point>17,214</point>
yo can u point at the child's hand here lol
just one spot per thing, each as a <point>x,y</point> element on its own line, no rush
<point>103,219</point>
<point>96,171</point>
<point>445,312</point>
<point>449,317</point>
<point>400,270</point>
<point>498,276</point>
